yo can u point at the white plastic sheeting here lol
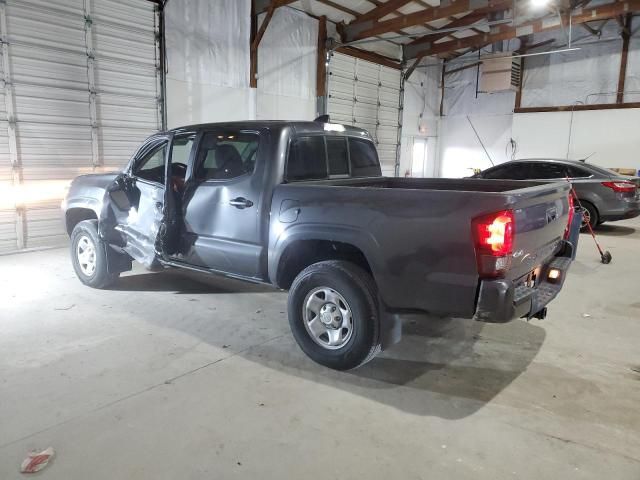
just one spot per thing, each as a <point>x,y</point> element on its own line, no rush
<point>287,55</point>
<point>632,80</point>
<point>287,60</point>
<point>585,76</point>
<point>208,49</point>
<point>208,41</point>
<point>208,61</point>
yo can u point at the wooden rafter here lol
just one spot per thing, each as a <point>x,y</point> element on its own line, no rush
<point>370,57</point>
<point>506,32</point>
<point>417,44</point>
<point>369,28</point>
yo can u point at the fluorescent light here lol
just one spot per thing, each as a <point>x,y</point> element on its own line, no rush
<point>539,3</point>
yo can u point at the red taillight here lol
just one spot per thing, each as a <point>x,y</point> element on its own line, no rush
<point>572,211</point>
<point>620,186</point>
<point>493,235</point>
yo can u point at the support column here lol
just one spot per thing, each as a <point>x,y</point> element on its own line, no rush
<point>321,69</point>
<point>14,157</point>
<point>91,83</point>
<point>626,35</point>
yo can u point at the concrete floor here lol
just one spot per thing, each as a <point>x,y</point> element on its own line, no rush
<point>179,376</point>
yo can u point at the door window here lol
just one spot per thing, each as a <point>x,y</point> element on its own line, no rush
<point>223,156</point>
<point>151,165</point>
<point>577,172</point>
<point>515,171</point>
<point>548,171</point>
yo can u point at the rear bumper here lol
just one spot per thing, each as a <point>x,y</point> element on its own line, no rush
<point>500,301</point>
<point>630,209</point>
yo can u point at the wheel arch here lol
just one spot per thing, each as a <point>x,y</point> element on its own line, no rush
<point>308,246</point>
<point>75,215</point>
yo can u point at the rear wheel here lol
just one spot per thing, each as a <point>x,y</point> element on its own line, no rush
<point>333,314</point>
<point>589,215</point>
<point>88,256</point>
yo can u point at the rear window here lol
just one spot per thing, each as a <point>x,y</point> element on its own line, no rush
<point>364,159</point>
<point>338,155</point>
<point>318,157</point>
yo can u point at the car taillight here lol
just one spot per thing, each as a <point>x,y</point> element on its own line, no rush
<point>572,211</point>
<point>620,186</point>
<point>493,237</point>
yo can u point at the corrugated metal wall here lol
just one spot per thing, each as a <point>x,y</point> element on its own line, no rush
<point>82,79</point>
<point>367,95</point>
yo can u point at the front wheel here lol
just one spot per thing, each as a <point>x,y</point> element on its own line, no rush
<point>333,314</point>
<point>88,256</point>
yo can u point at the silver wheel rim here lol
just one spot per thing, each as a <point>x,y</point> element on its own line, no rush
<point>86,255</point>
<point>327,318</point>
<point>586,217</point>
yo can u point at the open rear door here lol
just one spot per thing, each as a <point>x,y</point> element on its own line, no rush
<point>134,217</point>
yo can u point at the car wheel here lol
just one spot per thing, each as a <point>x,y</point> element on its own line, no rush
<point>333,314</point>
<point>589,215</point>
<point>88,256</point>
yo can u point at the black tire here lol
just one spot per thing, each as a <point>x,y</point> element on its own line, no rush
<point>87,233</point>
<point>359,291</point>
<point>592,213</point>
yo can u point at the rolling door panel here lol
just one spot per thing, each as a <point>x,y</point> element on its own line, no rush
<point>367,95</point>
<point>86,93</point>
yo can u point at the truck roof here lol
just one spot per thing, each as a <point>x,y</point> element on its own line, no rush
<point>300,127</point>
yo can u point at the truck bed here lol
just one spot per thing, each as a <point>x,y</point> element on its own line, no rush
<point>417,232</point>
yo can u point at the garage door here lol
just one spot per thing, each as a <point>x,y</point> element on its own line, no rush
<point>367,95</point>
<point>80,91</point>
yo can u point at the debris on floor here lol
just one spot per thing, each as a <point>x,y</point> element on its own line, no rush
<point>585,315</point>
<point>37,461</point>
<point>65,308</point>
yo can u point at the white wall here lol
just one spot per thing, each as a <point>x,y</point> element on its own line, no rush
<point>421,106</point>
<point>610,137</point>
<point>208,55</point>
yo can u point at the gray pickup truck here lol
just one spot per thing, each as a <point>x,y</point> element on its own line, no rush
<point>303,206</point>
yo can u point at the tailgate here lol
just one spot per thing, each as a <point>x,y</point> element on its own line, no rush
<point>541,217</point>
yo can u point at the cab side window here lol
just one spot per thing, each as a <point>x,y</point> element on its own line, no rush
<point>226,155</point>
<point>307,159</point>
<point>151,165</point>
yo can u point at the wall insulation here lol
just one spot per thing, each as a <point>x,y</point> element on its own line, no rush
<point>581,77</point>
<point>81,91</point>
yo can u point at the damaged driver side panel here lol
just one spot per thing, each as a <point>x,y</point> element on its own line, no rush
<point>133,211</point>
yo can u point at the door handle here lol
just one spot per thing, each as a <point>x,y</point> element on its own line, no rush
<point>241,203</point>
